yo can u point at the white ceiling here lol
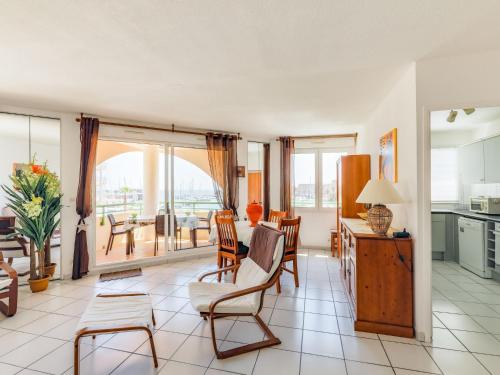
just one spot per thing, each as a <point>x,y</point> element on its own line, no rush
<point>257,66</point>
<point>481,117</point>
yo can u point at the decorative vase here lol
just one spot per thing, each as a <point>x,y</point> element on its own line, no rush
<point>254,212</point>
<point>50,269</point>
<point>39,285</point>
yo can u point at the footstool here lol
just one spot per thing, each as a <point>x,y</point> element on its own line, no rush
<point>112,313</point>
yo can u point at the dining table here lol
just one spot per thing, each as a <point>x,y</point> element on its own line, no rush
<point>244,231</point>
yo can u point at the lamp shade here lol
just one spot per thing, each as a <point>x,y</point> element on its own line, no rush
<point>379,192</point>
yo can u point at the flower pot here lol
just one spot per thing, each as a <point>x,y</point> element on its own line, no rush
<point>254,212</point>
<point>50,269</point>
<point>39,285</point>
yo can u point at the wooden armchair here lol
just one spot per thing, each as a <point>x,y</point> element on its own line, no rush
<point>243,297</point>
<point>290,227</point>
<point>12,247</point>
<point>8,289</point>
<point>276,216</point>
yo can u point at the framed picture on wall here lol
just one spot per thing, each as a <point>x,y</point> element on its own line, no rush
<point>388,156</point>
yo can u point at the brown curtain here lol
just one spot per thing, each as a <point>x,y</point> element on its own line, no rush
<point>286,150</point>
<point>223,160</point>
<point>89,130</point>
<point>267,179</point>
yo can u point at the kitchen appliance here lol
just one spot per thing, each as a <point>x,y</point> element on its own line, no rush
<point>471,246</point>
<point>485,205</point>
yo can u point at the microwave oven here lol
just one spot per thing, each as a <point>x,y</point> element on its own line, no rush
<point>485,205</point>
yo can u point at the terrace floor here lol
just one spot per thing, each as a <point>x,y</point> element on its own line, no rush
<point>313,322</point>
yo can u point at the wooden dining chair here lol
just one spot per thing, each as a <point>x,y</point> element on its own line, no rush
<point>225,213</point>
<point>160,230</point>
<point>290,228</point>
<point>117,229</point>
<point>276,216</point>
<point>228,246</point>
<point>12,246</point>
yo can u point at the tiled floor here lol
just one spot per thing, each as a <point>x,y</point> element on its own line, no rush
<point>312,321</point>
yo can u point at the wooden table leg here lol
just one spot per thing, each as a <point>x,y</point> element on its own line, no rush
<point>194,234</point>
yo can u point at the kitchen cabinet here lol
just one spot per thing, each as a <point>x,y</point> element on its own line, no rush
<point>492,160</point>
<point>444,236</point>
<point>471,158</point>
<point>438,235</point>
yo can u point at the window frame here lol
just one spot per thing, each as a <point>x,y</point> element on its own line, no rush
<point>318,165</point>
<point>457,177</point>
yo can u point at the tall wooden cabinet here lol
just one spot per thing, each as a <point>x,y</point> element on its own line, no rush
<point>353,172</point>
<point>378,276</point>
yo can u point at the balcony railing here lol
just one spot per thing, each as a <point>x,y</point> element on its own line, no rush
<point>185,206</point>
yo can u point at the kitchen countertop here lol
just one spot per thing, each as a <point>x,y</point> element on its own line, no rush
<point>466,213</point>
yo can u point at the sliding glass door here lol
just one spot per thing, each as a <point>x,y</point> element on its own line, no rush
<point>150,199</point>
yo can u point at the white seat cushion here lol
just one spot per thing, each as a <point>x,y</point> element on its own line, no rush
<point>114,312</point>
<point>5,283</point>
<point>202,294</point>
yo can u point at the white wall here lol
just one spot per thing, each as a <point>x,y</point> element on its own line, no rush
<point>398,110</point>
<point>443,83</point>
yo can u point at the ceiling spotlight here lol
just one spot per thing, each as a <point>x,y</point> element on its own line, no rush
<point>452,116</point>
<point>468,111</point>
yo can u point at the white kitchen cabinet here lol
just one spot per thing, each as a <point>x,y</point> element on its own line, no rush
<point>492,160</point>
<point>438,233</point>
<point>471,159</point>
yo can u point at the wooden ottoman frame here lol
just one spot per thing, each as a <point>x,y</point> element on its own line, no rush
<point>93,332</point>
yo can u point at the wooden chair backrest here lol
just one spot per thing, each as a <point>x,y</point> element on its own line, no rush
<point>160,225</point>
<point>291,228</point>
<point>276,216</point>
<point>226,230</point>
<point>7,224</point>
<point>224,213</point>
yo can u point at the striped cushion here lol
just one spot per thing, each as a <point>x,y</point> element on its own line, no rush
<point>115,312</point>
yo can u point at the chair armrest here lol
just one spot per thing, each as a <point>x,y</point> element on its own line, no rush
<point>105,295</point>
<point>220,270</point>
<point>9,270</point>
<point>240,293</point>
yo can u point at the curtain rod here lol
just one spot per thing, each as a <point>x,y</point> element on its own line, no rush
<point>172,129</point>
<point>349,135</point>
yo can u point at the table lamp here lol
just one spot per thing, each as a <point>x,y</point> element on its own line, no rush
<point>378,193</point>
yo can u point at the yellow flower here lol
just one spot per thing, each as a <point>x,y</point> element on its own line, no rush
<point>33,208</point>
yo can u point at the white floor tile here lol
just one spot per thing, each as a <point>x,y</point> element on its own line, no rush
<point>13,340</point>
<point>316,365</point>
<point>321,323</point>
<point>222,328</point>
<point>60,360</point>
<point>291,338</point>
<point>6,369</point>
<point>178,368</point>
<point>45,323</point>
<point>364,350</point>
<point>492,363</point>
<point>245,333</point>
<point>102,361</point>
<point>462,322</point>
<point>358,368</point>
<point>320,343</point>
<point>492,325</point>
<point>411,357</point>
<point>182,323</point>
<point>196,351</point>
<point>443,338</point>
<point>480,309</point>
<point>285,318</point>
<point>277,362</point>
<point>127,341</point>
<point>242,364</point>
<point>289,303</point>
<point>36,349</point>
<point>456,363</point>
<point>166,343</point>
<point>138,364</point>
<point>319,307</point>
<point>479,342</point>
<point>174,304</point>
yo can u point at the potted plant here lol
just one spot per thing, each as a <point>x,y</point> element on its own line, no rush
<point>35,198</point>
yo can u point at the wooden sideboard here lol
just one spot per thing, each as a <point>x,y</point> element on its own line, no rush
<point>378,275</point>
